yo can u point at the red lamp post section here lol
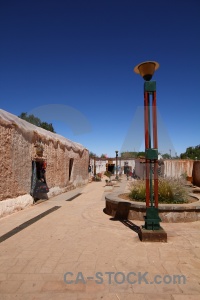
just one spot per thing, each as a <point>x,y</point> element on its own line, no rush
<point>155,145</point>
<point>151,156</point>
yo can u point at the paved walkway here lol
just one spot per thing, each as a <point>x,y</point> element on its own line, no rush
<point>105,258</point>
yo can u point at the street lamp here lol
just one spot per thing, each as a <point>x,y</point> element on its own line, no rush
<point>116,165</point>
<point>151,231</point>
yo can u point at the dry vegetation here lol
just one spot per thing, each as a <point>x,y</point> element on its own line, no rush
<point>169,191</point>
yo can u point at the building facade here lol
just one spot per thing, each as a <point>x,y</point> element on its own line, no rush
<point>101,165</point>
<point>171,168</point>
<point>28,151</point>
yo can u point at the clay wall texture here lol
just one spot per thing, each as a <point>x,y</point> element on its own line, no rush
<point>17,149</point>
<point>196,173</point>
<point>172,168</point>
<point>177,168</point>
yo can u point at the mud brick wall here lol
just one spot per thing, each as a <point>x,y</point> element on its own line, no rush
<point>196,173</point>
<point>176,168</point>
<point>17,149</point>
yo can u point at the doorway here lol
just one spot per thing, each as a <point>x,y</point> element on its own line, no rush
<point>110,168</point>
<point>38,180</point>
<point>71,162</point>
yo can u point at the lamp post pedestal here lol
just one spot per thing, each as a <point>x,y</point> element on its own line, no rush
<point>148,235</point>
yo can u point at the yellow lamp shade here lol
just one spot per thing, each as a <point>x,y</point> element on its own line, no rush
<point>146,69</point>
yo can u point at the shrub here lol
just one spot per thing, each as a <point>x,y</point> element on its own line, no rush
<point>96,178</point>
<point>138,190</point>
<point>172,190</point>
<point>108,174</point>
<point>169,191</point>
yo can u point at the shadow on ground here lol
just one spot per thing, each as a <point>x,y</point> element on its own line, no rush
<point>128,224</point>
<point>125,221</point>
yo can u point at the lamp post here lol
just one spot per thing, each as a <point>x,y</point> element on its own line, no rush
<point>170,153</point>
<point>94,165</point>
<point>116,164</point>
<point>152,219</point>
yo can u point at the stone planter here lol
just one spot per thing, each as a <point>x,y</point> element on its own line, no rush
<point>169,213</point>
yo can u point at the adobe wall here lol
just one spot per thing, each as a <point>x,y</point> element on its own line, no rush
<point>196,173</point>
<point>17,150</point>
<point>58,157</point>
<point>176,168</point>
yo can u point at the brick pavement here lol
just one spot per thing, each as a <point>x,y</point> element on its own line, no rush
<point>79,238</point>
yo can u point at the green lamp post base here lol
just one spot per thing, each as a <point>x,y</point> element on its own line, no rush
<point>152,219</point>
<point>152,231</point>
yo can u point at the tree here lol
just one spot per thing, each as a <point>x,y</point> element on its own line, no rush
<point>92,154</point>
<point>36,121</point>
<point>129,154</point>
<point>47,126</point>
<point>166,156</point>
<point>141,154</point>
<point>191,152</point>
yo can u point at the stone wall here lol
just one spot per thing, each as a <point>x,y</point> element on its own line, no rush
<point>17,150</point>
<point>169,213</point>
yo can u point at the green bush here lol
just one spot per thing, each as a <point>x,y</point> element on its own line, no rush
<point>138,190</point>
<point>169,191</point>
<point>96,178</point>
<point>108,174</point>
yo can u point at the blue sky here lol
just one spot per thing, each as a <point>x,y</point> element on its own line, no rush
<point>71,62</point>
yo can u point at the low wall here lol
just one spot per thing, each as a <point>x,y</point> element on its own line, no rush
<point>176,213</point>
<point>15,204</point>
